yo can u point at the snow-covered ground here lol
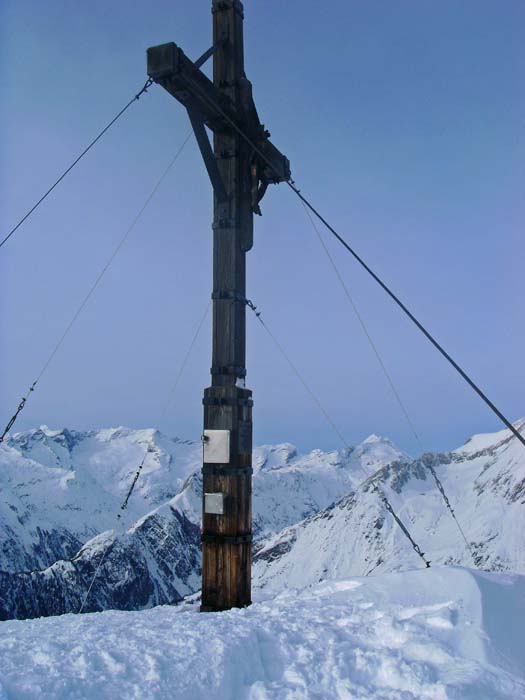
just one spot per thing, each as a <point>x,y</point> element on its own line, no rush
<point>437,634</point>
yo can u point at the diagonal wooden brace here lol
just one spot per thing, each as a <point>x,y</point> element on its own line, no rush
<point>197,123</point>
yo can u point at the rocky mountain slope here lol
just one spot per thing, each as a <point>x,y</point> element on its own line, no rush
<point>313,516</point>
<point>485,482</point>
<point>60,488</point>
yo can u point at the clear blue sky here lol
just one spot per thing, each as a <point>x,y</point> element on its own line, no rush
<point>403,122</point>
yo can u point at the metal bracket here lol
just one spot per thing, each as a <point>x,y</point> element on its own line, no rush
<point>219,470</point>
<point>224,223</point>
<point>226,401</point>
<point>224,5</point>
<point>226,155</point>
<point>226,539</point>
<point>229,295</point>
<point>235,370</point>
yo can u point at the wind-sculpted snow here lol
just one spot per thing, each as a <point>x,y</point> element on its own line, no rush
<point>437,634</point>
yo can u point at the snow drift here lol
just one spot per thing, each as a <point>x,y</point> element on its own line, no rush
<point>437,634</point>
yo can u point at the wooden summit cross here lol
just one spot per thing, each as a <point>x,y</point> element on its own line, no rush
<point>239,176</point>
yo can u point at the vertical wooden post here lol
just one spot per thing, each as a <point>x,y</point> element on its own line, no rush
<point>240,172</point>
<point>226,538</point>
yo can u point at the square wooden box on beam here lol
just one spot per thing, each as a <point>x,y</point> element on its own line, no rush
<point>163,60</point>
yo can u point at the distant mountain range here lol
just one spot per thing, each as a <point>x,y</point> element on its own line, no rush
<point>316,515</point>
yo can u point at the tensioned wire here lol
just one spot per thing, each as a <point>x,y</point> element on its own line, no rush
<point>162,414</point>
<point>79,158</point>
<point>94,286</point>
<point>391,383</point>
<point>393,296</point>
<point>141,465</point>
<point>381,494</point>
<point>366,267</point>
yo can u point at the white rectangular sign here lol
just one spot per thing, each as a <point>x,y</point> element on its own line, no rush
<point>214,503</point>
<point>217,446</point>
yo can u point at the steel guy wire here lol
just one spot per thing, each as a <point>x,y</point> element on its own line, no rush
<point>367,268</point>
<point>93,287</point>
<point>376,488</point>
<point>365,329</point>
<point>451,510</point>
<point>167,404</point>
<point>297,373</point>
<point>162,414</point>
<point>390,381</point>
<point>68,170</point>
<point>414,320</point>
<point>104,552</point>
<point>143,461</point>
<point>407,534</point>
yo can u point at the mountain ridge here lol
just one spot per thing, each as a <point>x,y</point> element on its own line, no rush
<point>316,502</point>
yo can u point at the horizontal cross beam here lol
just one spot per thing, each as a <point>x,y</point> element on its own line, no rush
<point>175,72</point>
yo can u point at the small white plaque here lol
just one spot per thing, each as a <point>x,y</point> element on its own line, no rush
<point>217,446</point>
<point>214,503</point>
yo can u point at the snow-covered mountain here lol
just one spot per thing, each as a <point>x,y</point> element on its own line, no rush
<point>485,482</point>
<point>288,486</point>
<point>155,561</point>
<point>315,515</point>
<point>60,488</point>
